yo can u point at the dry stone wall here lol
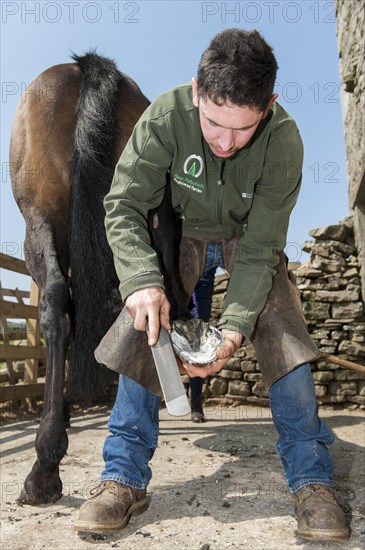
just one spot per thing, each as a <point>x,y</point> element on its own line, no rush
<point>351,46</point>
<point>330,288</point>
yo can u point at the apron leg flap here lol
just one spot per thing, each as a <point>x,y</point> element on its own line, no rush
<point>281,339</point>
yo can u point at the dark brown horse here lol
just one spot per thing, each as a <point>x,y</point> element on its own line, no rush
<point>69,131</point>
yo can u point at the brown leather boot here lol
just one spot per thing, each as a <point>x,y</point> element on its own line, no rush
<point>110,507</point>
<point>320,513</point>
<point>197,414</point>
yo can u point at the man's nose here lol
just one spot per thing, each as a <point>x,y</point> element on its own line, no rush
<point>226,140</point>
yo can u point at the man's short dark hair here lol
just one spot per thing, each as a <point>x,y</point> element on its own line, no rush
<point>238,66</point>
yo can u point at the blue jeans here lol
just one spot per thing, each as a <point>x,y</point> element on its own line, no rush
<point>202,302</point>
<point>303,437</point>
<point>302,443</point>
<point>133,424</point>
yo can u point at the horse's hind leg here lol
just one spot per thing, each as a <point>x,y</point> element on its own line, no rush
<point>44,261</point>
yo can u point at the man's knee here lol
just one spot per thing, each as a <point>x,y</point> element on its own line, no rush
<point>295,389</point>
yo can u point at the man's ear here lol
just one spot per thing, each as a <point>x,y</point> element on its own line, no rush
<point>194,85</point>
<point>271,102</point>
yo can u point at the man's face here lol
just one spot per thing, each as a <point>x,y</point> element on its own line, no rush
<point>227,127</point>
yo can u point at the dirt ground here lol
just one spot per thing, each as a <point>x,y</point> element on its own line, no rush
<point>216,486</point>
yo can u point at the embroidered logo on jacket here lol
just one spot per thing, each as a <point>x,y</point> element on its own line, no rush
<point>193,166</point>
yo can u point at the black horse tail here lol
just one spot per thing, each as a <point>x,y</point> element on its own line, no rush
<point>94,283</point>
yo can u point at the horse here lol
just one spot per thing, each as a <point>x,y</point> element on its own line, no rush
<point>69,130</point>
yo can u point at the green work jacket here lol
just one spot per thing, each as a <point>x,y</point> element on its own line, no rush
<point>250,195</point>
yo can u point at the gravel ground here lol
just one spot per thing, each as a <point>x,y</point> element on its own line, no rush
<point>216,486</point>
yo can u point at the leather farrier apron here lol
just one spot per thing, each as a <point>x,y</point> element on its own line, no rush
<point>280,338</point>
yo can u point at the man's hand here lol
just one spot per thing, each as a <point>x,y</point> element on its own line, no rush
<point>231,343</point>
<point>149,304</point>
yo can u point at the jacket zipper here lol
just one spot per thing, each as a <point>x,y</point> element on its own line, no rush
<point>220,192</point>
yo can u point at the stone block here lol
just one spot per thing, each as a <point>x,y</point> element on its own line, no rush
<point>328,266</point>
<point>319,334</point>
<point>233,364</point>
<point>354,286</point>
<point>252,376</point>
<point>259,389</point>
<point>349,347</point>
<point>218,386</point>
<point>355,280</point>
<point>238,387</point>
<point>337,295</point>
<point>320,250</point>
<point>333,324</point>
<point>347,311</point>
<point>306,284</point>
<point>339,335</point>
<point>331,399</point>
<point>349,273</point>
<point>329,246</point>
<point>361,386</point>
<point>221,285</point>
<point>307,246</point>
<point>342,388</point>
<point>240,352</point>
<point>230,374</point>
<point>330,350</point>
<point>321,391</point>
<point>323,365</point>
<point>347,374</point>
<point>248,366</point>
<point>335,283</point>
<point>316,310</point>
<point>249,351</point>
<point>338,232</point>
<point>356,326</point>
<point>328,342</point>
<point>306,271</point>
<point>323,376</point>
<point>216,307</point>
<point>308,295</point>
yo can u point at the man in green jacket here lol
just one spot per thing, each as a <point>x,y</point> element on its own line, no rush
<point>234,159</point>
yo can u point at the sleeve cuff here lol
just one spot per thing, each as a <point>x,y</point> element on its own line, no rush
<point>140,281</point>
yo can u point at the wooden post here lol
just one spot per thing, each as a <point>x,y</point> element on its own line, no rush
<point>31,365</point>
<point>4,329</point>
<point>31,353</point>
<point>33,334</point>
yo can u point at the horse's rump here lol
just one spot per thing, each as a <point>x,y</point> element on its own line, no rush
<point>70,128</point>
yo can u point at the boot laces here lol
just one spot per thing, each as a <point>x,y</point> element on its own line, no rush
<point>321,492</point>
<point>107,484</point>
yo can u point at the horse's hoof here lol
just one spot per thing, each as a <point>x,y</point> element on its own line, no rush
<point>37,499</point>
<point>40,489</point>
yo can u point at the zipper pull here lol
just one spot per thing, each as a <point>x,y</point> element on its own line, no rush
<point>221,168</point>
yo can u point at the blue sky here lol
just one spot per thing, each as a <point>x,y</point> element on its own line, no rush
<point>159,43</point>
